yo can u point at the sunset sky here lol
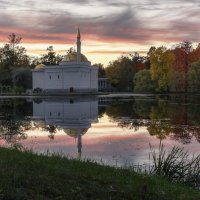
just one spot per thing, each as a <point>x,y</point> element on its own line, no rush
<point>109,27</point>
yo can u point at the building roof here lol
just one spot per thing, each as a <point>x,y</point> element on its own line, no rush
<point>72,57</point>
<point>40,66</point>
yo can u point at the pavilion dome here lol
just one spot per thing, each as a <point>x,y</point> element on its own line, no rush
<point>73,132</point>
<point>40,66</point>
<point>72,57</point>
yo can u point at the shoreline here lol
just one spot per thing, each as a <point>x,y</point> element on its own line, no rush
<point>116,94</point>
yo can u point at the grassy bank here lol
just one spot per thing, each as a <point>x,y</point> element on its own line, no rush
<point>28,176</point>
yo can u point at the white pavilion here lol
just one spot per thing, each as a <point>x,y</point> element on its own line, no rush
<point>73,74</point>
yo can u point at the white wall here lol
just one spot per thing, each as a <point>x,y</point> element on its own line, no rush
<point>53,79</point>
<point>38,79</point>
<point>75,76</point>
<point>71,79</point>
<point>85,79</point>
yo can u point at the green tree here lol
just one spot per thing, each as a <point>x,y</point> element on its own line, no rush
<point>71,50</point>
<point>176,81</point>
<point>194,77</point>
<point>121,72</point>
<point>51,58</point>
<point>12,56</point>
<point>101,70</point>
<point>162,61</point>
<point>142,82</point>
<point>22,77</point>
<point>147,61</point>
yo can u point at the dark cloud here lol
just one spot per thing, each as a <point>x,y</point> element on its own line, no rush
<point>79,2</point>
<point>134,22</point>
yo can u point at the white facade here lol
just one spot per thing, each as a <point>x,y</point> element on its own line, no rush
<point>73,74</point>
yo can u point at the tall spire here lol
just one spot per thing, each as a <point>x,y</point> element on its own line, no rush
<point>78,43</point>
<point>78,33</point>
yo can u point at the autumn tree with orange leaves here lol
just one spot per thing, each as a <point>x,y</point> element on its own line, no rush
<point>173,70</point>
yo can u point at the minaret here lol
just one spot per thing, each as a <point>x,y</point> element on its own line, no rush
<point>78,43</point>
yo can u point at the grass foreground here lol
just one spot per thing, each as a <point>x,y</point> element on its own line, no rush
<point>24,175</point>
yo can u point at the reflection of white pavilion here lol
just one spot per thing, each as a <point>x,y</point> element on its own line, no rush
<point>74,116</point>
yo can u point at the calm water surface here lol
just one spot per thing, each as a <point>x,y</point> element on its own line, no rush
<point>114,130</point>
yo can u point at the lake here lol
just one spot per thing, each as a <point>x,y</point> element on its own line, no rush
<point>114,130</point>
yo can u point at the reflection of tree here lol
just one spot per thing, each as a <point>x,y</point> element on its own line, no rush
<point>182,134</point>
<point>159,128</point>
<point>40,125</point>
<point>160,124</point>
<point>12,131</point>
<point>120,109</point>
<point>15,108</point>
<point>142,107</point>
<point>177,117</point>
<point>194,114</point>
<point>52,130</point>
<point>13,122</point>
<point>196,133</point>
<point>122,113</point>
<point>132,123</point>
<point>101,111</point>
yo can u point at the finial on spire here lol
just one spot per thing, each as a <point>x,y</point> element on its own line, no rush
<point>78,43</point>
<point>78,33</point>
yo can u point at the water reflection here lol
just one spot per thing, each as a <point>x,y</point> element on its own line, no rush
<point>74,116</point>
<point>13,120</point>
<point>176,117</point>
<point>108,128</point>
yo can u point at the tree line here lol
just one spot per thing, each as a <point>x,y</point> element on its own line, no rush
<point>163,70</point>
